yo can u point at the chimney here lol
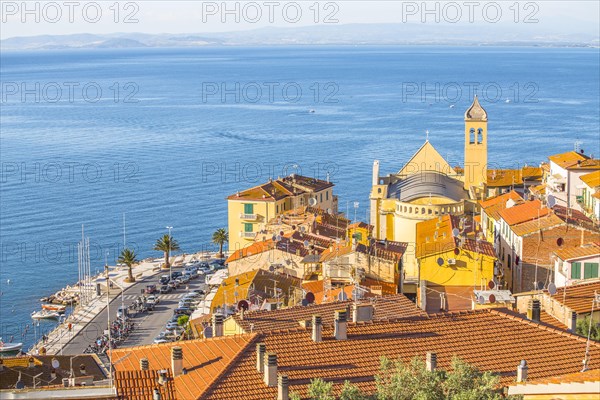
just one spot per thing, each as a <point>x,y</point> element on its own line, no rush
<point>156,394</point>
<point>52,374</point>
<point>82,370</point>
<point>431,362</point>
<point>261,349</point>
<point>362,312</point>
<point>522,371</point>
<point>270,366</point>
<point>162,377</point>
<point>282,387</point>
<point>340,325</point>
<point>533,311</point>
<point>317,328</point>
<point>177,360</point>
<point>573,321</point>
<point>31,362</point>
<point>217,325</point>
<point>144,364</point>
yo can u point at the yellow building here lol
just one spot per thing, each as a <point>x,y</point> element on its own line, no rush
<point>449,260</point>
<point>250,210</point>
<point>475,168</point>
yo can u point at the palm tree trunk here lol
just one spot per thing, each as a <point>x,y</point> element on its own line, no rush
<point>130,273</point>
<point>221,250</point>
<point>167,264</point>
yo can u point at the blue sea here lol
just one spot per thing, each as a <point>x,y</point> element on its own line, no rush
<point>162,136</point>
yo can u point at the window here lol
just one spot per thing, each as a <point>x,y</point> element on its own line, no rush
<point>472,136</point>
<point>590,270</point>
<point>327,194</point>
<point>277,209</point>
<point>248,228</point>
<point>321,198</point>
<point>479,136</point>
<point>575,270</point>
<point>248,208</point>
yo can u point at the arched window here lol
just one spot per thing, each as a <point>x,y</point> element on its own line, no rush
<point>422,210</point>
<point>430,211</point>
<point>479,136</point>
<point>472,136</point>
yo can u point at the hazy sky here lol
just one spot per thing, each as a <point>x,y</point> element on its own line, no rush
<point>154,16</point>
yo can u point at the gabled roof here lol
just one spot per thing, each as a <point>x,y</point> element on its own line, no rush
<point>281,188</point>
<point>501,199</point>
<point>254,249</point>
<point>578,297</point>
<point>384,249</point>
<point>524,212</point>
<point>536,225</point>
<point>592,179</point>
<point>475,112</point>
<point>590,163</point>
<point>426,158</point>
<point>491,340</point>
<point>566,160</point>
<point>509,177</point>
<point>576,252</point>
<point>204,359</point>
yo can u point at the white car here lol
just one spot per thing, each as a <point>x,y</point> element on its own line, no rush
<point>152,300</point>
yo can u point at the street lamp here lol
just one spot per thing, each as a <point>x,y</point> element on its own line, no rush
<point>169,254</point>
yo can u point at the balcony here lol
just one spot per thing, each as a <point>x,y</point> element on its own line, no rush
<point>247,235</point>
<point>248,217</point>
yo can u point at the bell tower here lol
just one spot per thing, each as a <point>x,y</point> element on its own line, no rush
<point>475,146</point>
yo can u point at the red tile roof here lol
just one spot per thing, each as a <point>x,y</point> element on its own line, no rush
<point>567,159</point>
<point>524,212</point>
<point>578,297</point>
<point>281,188</point>
<point>575,252</point>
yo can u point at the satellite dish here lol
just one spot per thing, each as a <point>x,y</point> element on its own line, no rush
<point>306,243</point>
<point>302,229</point>
<point>312,202</point>
<point>55,363</point>
<point>455,232</point>
<point>310,297</point>
<point>552,289</point>
<point>329,211</point>
<point>243,305</point>
<point>342,296</point>
<point>293,227</point>
<point>492,298</point>
<point>274,237</point>
<point>20,384</point>
<point>456,251</point>
<point>278,238</point>
<point>440,261</point>
<point>551,200</point>
<point>280,233</point>
<point>540,285</point>
<point>304,303</point>
<point>491,285</point>
<point>560,241</point>
<point>271,268</point>
<point>481,300</point>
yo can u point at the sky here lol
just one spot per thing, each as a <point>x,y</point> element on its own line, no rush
<point>162,16</point>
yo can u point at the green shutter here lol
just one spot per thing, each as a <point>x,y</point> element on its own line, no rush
<point>590,270</point>
<point>247,227</point>
<point>575,270</point>
<point>248,208</point>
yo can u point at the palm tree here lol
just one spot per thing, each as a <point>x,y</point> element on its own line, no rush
<point>128,257</point>
<point>166,244</point>
<point>220,237</point>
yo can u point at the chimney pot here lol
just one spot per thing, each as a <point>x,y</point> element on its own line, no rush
<point>144,364</point>
<point>217,325</point>
<point>362,312</point>
<point>533,312</point>
<point>573,321</point>
<point>431,362</point>
<point>31,362</point>
<point>317,328</point>
<point>261,349</point>
<point>522,371</point>
<point>341,325</point>
<point>282,387</point>
<point>177,360</point>
<point>82,370</point>
<point>270,366</point>
<point>156,394</point>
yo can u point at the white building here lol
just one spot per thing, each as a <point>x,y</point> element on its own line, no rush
<point>576,264</point>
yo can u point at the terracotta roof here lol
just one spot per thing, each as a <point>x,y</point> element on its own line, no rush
<point>501,199</point>
<point>592,375</point>
<point>43,365</point>
<point>253,249</point>
<point>590,164</point>
<point>575,252</point>
<point>261,282</point>
<point>282,188</point>
<point>573,216</point>
<point>458,298</point>
<point>567,159</point>
<point>592,179</point>
<point>319,242</point>
<point>526,228</point>
<point>361,225</point>
<point>336,250</point>
<point>435,236</point>
<point>524,212</point>
<point>596,195</point>
<point>509,177</point>
<point>387,307</point>
<point>539,189</point>
<point>329,230</point>
<point>484,338</point>
<point>578,297</point>
<point>387,250</point>
<point>204,359</point>
<point>387,288</point>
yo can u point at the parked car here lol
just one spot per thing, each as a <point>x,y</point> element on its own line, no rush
<point>172,325</point>
<point>164,279</point>
<point>176,274</point>
<point>182,311</point>
<point>173,285</point>
<point>165,289</point>
<point>161,339</point>
<point>150,289</point>
<point>152,300</point>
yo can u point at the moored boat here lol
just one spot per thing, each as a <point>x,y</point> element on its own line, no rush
<point>54,307</point>
<point>45,314</point>
<point>9,347</point>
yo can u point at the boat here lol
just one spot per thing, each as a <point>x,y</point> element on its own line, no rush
<point>9,347</point>
<point>45,314</point>
<point>54,307</point>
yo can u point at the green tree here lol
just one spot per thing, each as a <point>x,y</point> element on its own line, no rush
<point>583,328</point>
<point>320,390</point>
<point>184,321</point>
<point>352,392</point>
<point>128,257</point>
<point>220,237</point>
<point>166,244</point>
<point>400,381</point>
<point>466,382</point>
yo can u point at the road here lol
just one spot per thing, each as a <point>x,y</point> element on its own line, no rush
<point>147,325</point>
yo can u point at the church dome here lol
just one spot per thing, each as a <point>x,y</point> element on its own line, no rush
<point>475,112</point>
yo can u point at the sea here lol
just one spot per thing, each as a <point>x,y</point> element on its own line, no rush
<point>124,143</point>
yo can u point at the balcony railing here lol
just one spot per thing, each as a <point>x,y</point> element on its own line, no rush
<point>248,217</point>
<point>247,235</point>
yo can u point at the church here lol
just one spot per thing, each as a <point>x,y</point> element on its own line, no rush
<point>428,187</point>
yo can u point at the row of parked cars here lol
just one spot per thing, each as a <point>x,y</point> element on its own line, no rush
<point>188,303</point>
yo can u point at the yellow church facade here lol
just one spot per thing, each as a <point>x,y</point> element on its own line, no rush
<point>428,187</point>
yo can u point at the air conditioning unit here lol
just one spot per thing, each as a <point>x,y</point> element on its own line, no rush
<point>452,261</point>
